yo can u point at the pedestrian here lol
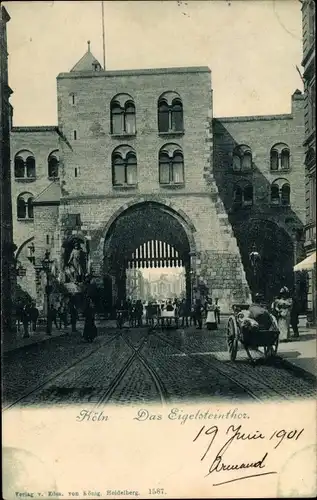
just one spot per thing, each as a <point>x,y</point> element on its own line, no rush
<point>53,316</point>
<point>73,316</point>
<point>26,320</point>
<point>62,316</point>
<point>139,311</point>
<point>211,321</point>
<point>217,311</point>
<point>183,313</point>
<point>90,329</point>
<point>34,315</point>
<point>294,317</point>
<point>283,306</point>
<point>198,310</point>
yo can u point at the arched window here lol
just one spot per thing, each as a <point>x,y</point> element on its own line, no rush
<point>129,118</point>
<point>18,167</point>
<point>53,165</point>
<point>243,195</point>
<point>122,111</point>
<point>242,159</point>
<point>25,206</point>
<point>163,117</point>
<point>274,160</point>
<point>177,115</point>
<point>171,165</point>
<point>280,192</point>
<point>248,195</point>
<point>236,163</point>
<point>275,195</point>
<point>170,113</point>
<point>285,194</point>
<point>124,166</point>
<point>280,157</point>
<point>237,195</point>
<point>24,165</point>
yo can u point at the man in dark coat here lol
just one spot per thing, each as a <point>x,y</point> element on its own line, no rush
<point>34,315</point>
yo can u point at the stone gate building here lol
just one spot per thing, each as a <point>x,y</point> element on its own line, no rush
<point>141,175</point>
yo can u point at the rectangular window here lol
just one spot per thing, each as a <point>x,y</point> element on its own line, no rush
<point>47,239</point>
<point>164,173</point>
<point>178,176</point>
<point>117,123</point>
<point>119,175</point>
<point>131,175</point>
<point>75,135</point>
<point>76,172</point>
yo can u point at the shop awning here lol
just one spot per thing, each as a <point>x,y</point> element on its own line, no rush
<point>307,263</point>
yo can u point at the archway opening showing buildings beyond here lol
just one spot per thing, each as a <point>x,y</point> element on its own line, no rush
<point>277,255</point>
<point>146,236</point>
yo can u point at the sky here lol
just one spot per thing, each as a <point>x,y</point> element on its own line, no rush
<point>251,46</point>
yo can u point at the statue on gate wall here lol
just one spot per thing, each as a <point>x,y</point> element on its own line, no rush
<point>75,262</point>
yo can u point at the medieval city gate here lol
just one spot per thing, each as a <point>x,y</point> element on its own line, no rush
<point>145,235</point>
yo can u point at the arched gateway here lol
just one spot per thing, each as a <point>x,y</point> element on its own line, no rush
<point>146,235</point>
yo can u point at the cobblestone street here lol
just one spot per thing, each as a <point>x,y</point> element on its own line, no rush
<point>137,366</point>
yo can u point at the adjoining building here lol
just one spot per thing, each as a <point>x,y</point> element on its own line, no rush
<point>308,63</point>
<point>143,176</point>
<point>7,246</point>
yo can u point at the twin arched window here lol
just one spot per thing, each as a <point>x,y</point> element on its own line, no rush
<point>122,111</point>
<point>280,157</point>
<point>242,159</point>
<point>171,165</point>
<point>24,165</point>
<point>243,195</point>
<point>53,165</point>
<point>280,193</point>
<point>124,166</point>
<point>170,113</point>
<point>25,206</point>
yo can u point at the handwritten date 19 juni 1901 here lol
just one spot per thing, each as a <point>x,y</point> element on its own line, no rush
<point>234,434</point>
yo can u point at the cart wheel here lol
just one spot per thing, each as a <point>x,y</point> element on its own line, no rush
<point>232,338</point>
<point>274,348</point>
<point>268,351</point>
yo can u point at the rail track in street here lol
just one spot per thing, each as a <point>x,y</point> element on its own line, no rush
<point>144,366</point>
<point>56,375</point>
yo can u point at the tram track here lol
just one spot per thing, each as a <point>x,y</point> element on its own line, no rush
<point>136,356</point>
<point>235,369</point>
<point>56,375</point>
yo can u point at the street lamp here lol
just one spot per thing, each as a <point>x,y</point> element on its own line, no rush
<point>255,259</point>
<point>46,265</point>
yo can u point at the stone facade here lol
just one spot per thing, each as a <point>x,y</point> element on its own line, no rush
<point>252,192</point>
<point>41,144</point>
<point>308,63</point>
<point>7,253</point>
<point>196,200</point>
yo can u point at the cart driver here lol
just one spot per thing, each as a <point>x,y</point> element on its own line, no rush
<point>257,317</point>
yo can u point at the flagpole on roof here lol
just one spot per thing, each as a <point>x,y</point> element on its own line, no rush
<point>103,35</point>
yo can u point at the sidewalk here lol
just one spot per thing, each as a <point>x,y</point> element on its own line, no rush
<point>35,338</point>
<point>41,335</point>
<point>302,352</point>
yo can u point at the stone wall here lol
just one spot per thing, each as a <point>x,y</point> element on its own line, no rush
<point>40,141</point>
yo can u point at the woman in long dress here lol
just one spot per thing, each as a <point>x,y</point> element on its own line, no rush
<point>90,329</point>
<point>282,308</point>
<point>211,321</point>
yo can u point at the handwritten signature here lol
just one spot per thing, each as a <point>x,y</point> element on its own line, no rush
<point>235,434</point>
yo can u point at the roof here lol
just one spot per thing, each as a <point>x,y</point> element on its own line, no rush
<point>50,196</point>
<point>41,128</point>
<point>87,63</point>
<point>132,72</point>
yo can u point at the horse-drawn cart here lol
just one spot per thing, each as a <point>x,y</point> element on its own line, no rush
<point>250,338</point>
